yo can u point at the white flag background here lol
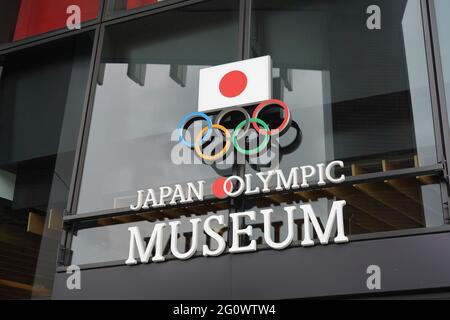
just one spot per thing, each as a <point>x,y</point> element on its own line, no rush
<point>234,84</point>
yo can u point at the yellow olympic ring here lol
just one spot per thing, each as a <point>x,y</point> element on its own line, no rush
<point>219,154</point>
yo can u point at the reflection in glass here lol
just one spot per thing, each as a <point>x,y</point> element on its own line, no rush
<point>358,95</point>
<point>116,6</point>
<point>148,83</point>
<point>42,93</point>
<point>397,204</point>
<point>107,240</point>
<point>22,19</point>
<point>372,207</point>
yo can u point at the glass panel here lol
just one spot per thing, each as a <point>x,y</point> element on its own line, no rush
<point>41,98</point>
<point>22,19</point>
<point>107,240</point>
<point>357,95</point>
<point>443,21</point>
<point>398,204</point>
<point>118,6</point>
<point>148,82</point>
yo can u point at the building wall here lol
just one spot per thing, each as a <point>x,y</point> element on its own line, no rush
<point>86,118</point>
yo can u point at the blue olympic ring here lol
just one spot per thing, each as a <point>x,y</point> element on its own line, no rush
<point>186,119</point>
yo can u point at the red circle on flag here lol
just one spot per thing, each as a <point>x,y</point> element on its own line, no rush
<point>218,188</point>
<point>233,84</point>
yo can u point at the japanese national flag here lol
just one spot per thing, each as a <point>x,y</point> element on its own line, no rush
<point>234,84</point>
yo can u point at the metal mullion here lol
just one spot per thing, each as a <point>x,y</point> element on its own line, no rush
<point>86,123</point>
<point>241,37</point>
<point>248,28</point>
<point>79,154</point>
<point>86,107</point>
<point>102,10</point>
<point>438,101</point>
<point>67,245</point>
<point>238,204</point>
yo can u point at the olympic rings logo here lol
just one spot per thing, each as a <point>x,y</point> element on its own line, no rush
<point>241,131</point>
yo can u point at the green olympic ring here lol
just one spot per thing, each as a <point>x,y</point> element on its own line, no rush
<point>257,149</point>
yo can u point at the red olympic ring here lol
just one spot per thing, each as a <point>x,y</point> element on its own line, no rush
<point>284,125</point>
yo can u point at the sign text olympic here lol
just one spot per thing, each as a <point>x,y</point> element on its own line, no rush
<point>234,186</point>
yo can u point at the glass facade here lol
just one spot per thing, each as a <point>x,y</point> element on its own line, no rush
<point>89,119</point>
<point>24,19</point>
<point>41,101</point>
<point>102,240</point>
<point>379,206</point>
<point>340,108</point>
<point>358,95</point>
<point>146,85</point>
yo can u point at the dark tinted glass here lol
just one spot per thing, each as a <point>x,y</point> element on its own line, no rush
<point>22,19</point>
<point>372,207</point>
<point>41,98</point>
<point>356,94</point>
<point>148,82</point>
<point>108,240</point>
